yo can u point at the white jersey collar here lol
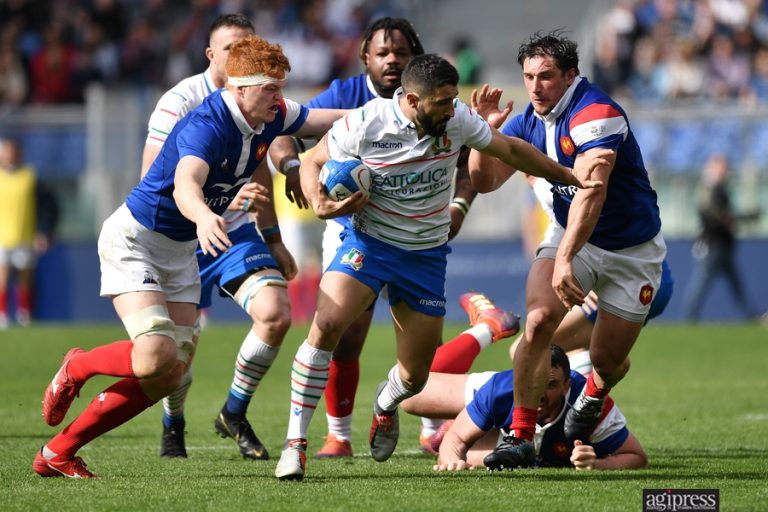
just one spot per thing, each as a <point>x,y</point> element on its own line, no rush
<point>238,116</point>
<point>400,117</point>
<point>564,101</point>
<point>209,85</point>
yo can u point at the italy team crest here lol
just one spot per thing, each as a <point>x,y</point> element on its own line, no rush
<point>646,295</point>
<point>353,259</point>
<point>441,144</point>
<point>566,145</point>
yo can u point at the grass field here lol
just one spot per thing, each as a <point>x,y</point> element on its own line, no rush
<point>696,397</point>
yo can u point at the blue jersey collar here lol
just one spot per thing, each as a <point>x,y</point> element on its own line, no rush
<point>562,104</point>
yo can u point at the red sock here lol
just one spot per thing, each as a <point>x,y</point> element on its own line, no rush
<point>113,359</point>
<point>4,302</point>
<point>24,299</point>
<point>457,355</point>
<point>342,386</point>
<point>111,408</point>
<point>592,389</point>
<point>523,423</point>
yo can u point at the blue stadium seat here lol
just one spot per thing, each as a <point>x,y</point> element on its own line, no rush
<point>683,147</point>
<point>650,138</point>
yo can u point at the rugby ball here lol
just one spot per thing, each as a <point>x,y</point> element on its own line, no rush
<point>342,178</point>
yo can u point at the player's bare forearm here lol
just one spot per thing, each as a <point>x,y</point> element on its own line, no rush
<point>309,173</point>
<point>319,121</point>
<point>630,455</point>
<point>148,157</point>
<point>487,173</point>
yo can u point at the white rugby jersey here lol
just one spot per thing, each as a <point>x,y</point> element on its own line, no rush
<point>172,106</point>
<point>411,177</point>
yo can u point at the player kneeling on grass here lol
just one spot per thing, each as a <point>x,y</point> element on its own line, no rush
<point>479,426</point>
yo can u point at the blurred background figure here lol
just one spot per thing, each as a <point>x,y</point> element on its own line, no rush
<point>23,232</point>
<point>467,60</point>
<point>714,249</point>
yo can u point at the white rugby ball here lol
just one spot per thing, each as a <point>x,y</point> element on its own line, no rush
<point>342,178</point>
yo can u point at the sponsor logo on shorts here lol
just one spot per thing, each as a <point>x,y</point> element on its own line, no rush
<point>646,295</point>
<point>256,257</point>
<point>149,278</point>
<point>566,145</point>
<point>353,259</point>
<point>383,144</point>
<point>432,303</point>
<point>296,411</point>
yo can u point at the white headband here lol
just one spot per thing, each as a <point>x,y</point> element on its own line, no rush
<point>257,79</point>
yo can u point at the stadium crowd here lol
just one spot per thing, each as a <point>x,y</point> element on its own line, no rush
<point>50,50</point>
<point>653,51</point>
<point>649,51</point>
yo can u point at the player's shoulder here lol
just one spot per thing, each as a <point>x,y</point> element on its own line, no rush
<point>590,103</point>
<point>188,93</point>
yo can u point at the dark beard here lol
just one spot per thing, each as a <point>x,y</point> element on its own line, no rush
<point>429,126</point>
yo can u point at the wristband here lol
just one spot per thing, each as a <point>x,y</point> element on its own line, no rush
<point>271,234</point>
<point>288,163</point>
<point>462,204</point>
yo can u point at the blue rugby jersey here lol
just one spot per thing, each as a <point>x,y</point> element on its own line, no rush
<point>587,118</point>
<point>351,92</point>
<point>491,408</point>
<point>217,133</point>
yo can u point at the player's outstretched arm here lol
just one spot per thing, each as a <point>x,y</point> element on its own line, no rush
<point>630,455</point>
<point>456,443</point>
<point>191,173</point>
<point>319,121</point>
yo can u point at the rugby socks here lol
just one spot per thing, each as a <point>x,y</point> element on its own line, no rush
<point>309,377</point>
<point>343,379</point>
<point>113,359</point>
<point>173,404</point>
<point>253,361</point>
<point>111,408</point>
<point>394,392</point>
<point>457,355</point>
<point>591,389</point>
<point>523,423</point>
<point>23,301</point>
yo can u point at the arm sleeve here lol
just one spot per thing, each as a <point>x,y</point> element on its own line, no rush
<point>474,129</point>
<point>346,134</point>
<point>598,125</point>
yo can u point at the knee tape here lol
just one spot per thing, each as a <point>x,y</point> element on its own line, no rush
<point>253,286</point>
<point>185,347</point>
<point>150,320</point>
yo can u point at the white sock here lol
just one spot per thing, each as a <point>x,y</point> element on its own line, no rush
<point>341,428</point>
<point>309,376</point>
<point>482,333</point>
<point>173,404</point>
<point>429,426</point>
<point>253,361</point>
<point>394,392</point>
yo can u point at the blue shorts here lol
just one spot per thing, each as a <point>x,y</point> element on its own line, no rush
<point>247,255</point>
<point>660,301</point>
<point>416,277</point>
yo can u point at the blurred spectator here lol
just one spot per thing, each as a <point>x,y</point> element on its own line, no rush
<point>728,72</point>
<point>759,82</point>
<point>51,68</point>
<point>467,60</point>
<point>14,86</point>
<point>645,81</point>
<point>30,215</point>
<point>714,249</point>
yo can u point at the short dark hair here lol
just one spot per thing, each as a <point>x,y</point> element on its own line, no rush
<point>425,73</point>
<point>231,20</point>
<point>555,45</point>
<point>560,360</point>
<point>388,24</point>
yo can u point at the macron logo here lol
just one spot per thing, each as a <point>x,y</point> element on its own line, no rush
<point>386,145</point>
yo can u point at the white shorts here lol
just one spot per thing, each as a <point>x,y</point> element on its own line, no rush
<point>21,257</point>
<point>474,382</point>
<point>626,281</point>
<point>136,259</point>
<point>331,241</point>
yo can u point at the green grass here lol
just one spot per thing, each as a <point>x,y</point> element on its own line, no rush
<point>695,397</point>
